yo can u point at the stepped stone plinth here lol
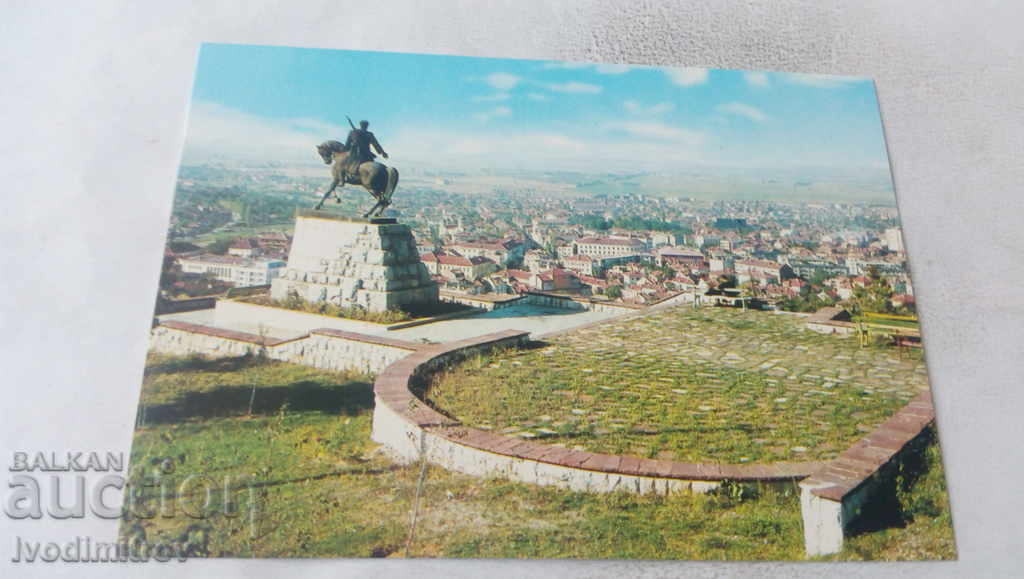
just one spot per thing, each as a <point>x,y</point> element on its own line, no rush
<point>371,263</point>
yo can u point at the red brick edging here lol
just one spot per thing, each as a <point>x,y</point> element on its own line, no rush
<point>858,464</point>
<point>222,333</point>
<point>368,339</point>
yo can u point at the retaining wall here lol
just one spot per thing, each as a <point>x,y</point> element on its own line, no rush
<point>481,303</point>
<point>576,303</point>
<point>325,348</point>
<point>831,498</point>
<point>165,306</point>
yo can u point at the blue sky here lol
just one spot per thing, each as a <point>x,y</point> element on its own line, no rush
<point>499,113</point>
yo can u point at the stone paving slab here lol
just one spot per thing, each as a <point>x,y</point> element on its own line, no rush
<point>707,384</point>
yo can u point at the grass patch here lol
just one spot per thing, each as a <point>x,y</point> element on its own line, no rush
<point>323,489</point>
<point>296,303</point>
<point>694,385</point>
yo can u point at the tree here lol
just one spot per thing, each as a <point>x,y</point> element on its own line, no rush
<point>614,292</point>
<point>435,237</point>
<point>873,297</point>
<point>748,290</point>
<point>807,300</point>
<point>726,281</point>
<point>170,272</point>
<point>220,245</point>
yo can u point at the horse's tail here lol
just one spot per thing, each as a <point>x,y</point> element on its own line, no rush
<point>392,183</point>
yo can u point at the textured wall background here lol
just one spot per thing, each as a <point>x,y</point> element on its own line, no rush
<point>93,107</point>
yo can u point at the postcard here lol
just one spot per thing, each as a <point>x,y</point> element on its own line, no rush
<point>439,306</point>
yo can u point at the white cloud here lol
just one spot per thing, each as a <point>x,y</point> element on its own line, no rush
<point>758,79</point>
<point>498,96</point>
<point>543,150</point>
<point>476,147</point>
<point>753,113</point>
<point>502,80</point>
<point>496,112</point>
<point>568,65</point>
<point>536,96</point>
<point>613,68</point>
<point>607,68</point>
<point>216,129</point>
<point>637,108</point>
<point>574,87</point>
<point>687,76</point>
<point>657,131</point>
<point>822,80</point>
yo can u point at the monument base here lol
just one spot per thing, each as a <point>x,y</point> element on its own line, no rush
<point>372,264</point>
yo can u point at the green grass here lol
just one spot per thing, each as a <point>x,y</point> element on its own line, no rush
<point>242,231</point>
<point>296,303</point>
<point>326,490</point>
<point>696,385</point>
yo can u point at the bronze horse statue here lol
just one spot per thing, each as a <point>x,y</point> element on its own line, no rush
<point>378,179</point>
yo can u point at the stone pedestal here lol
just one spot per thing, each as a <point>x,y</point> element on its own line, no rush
<point>371,263</point>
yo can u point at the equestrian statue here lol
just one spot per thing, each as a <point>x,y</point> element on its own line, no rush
<point>353,162</point>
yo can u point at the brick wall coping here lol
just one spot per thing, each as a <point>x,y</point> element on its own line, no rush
<point>857,464</point>
<point>394,385</point>
<point>367,338</point>
<point>226,334</point>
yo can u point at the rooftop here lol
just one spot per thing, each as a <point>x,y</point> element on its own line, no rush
<point>234,260</point>
<point>620,241</point>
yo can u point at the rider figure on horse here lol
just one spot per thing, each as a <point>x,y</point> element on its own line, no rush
<point>359,145</point>
<point>353,162</point>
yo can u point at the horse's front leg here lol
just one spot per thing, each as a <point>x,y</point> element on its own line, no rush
<point>372,209</point>
<point>334,185</point>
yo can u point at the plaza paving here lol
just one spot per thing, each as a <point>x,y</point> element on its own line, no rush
<point>685,384</point>
<point>537,320</point>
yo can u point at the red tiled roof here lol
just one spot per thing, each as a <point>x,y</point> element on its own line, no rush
<point>244,243</point>
<point>454,260</point>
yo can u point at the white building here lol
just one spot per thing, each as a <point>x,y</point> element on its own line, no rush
<point>759,269</point>
<point>504,252</point>
<point>660,238</point>
<point>453,265</point>
<point>609,246</point>
<point>582,264</point>
<point>537,260</point>
<point>241,271</point>
<point>893,239</point>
